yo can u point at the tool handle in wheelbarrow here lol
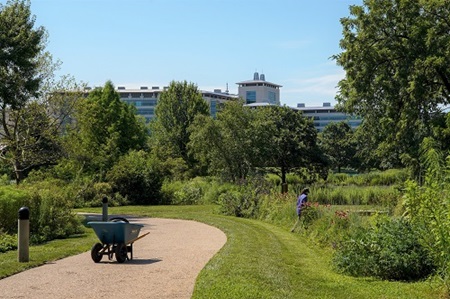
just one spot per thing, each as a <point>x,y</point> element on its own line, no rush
<point>140,237</point>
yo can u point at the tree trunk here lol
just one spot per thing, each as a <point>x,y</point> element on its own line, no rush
<point>18,172</point>
<point>284,185</point>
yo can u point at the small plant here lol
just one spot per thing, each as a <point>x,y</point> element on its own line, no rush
<point>7,242</point>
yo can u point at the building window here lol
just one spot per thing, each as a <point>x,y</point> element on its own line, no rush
<point>272,98</point>
<point>250,97</point>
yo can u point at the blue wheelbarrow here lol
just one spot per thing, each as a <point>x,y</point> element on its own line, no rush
<point>117,237</point>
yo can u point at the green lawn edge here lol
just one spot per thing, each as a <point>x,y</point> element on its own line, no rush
<point>259,260</point>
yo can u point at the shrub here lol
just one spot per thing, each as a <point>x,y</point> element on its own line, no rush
<point>241,202</point>
<point>388,250</point>
<point>11,200</point>
<point>137,177</point>
<point>7,242</point>
<point>51,214</point>
<point>188,194</point>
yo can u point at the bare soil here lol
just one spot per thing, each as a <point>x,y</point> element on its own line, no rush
<point>165,264</point>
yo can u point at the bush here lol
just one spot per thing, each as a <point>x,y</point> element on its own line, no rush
<point>51,214</point>
<point>7,242</point>
<point>242,201</point>
<point>388,250</point>
<point>137,177</point>
<point>11,200</point>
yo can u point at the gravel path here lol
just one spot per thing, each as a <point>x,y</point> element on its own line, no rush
<point>165,265</point>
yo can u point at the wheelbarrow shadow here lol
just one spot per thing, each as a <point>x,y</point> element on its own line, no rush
<point>142,261</point>
<point>133,262</point>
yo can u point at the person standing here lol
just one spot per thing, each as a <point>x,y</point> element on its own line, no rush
<point>301,202</point>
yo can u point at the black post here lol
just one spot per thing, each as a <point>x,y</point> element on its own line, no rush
<point>23,235</point>
<point>105,209</point>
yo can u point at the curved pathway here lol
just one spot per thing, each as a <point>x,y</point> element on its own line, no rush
<point>165,265</point>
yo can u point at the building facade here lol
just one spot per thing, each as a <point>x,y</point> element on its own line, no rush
<point>145,99</point>
<point>259,90</point>
<point>323,115</point>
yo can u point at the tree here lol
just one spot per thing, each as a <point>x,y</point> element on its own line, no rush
<point>395,55</point>
<point>336,141</point>
<point>105,129</point>
<point>29,122</point>
<point>289,143</point>
<point>227,144</point>
<point>175,112</point>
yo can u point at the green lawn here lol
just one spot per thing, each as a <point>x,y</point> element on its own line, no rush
<point>261,260</point>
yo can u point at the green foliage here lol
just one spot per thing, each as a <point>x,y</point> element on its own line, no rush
<point>288,142</point>
<point>105,129</point>
<point>386,196</point>
<point>176,110</point>
<point>428,206</point>
<point>242,141</point>
<point>338,144</point>
<point>373,178</point>
<point>29,122</point>
<point>227,145</point>
<point>11,200</point>
<point>395,58</point>
<point>7,242</point>
<point>244,200</point>
<point>137,177</point>
<point>389,250</point>
<point>51,213</point>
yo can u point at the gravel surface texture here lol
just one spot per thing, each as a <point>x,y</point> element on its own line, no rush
<point>165,264</point>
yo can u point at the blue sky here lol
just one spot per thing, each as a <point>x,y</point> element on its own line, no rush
<point>210,43</point>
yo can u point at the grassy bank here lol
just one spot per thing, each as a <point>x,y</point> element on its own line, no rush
<point>259,260</point>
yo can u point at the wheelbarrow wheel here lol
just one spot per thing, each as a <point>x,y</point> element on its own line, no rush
<point>121,252</point>
<point>96,256</point>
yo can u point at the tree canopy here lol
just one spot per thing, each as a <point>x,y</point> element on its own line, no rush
<point>290,142</point>
<point>105,129</point>
<point>228,144</point>
<point>176,110</point>
<point>243,140</point>
<point>29,122</point>
<point>395,56</point>
<point>337,143</point>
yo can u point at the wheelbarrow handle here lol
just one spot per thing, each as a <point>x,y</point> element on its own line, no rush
<point>140,237</point>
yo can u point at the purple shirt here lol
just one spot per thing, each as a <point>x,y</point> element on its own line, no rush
<point>302,199</point>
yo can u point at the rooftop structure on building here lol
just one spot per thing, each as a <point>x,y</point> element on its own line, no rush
<point>327,113</point>
<point>259,90</point>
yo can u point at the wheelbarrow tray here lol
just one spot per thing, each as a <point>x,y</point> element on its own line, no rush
<point>115,232</point>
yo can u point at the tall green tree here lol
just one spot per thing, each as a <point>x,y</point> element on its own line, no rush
<point>176,110</point>
<point>290,143</point>
<point>105,129</point>
<point>395,55</point>
<point>29,118</point>
<point>228,144</point>
<point>338,144</point>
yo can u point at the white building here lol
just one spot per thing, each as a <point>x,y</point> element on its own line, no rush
<point>323,115</point>
<point>145,99</point>
<point>259,90</point>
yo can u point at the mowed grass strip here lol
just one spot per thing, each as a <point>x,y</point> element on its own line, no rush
<point>259,260</point>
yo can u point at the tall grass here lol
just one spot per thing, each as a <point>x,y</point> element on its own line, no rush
<point>374,178</point>
<point>386,196</point>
